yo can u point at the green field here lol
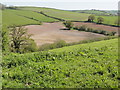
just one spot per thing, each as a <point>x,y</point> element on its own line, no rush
<point>75,16</point>
<point>110,20</point>
<point>91,65</point>
<point>66,15</point>
<point>11,16</point>
<point>17,17</point>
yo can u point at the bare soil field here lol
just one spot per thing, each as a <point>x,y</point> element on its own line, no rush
<point>51,32</point>
<point>97,26</point>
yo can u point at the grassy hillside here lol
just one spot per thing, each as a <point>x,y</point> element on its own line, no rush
<point>91,65</point>
<point>67,15</point>
<point>28,16</point>
<point>22,17</point>
<point>75,16</point>
<point>10,18</point>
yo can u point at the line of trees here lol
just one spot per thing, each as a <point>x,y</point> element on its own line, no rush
<point>91,18</point>
<point>100,20</point>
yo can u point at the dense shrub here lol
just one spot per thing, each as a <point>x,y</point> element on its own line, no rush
<point>82,28</point>
<point>31,47</point>
<point>68,24</point>
<point>60,43</point>
<point>113,33</point>
<point>102,32</point>
<point>95,31</point>
<point>89,30</point>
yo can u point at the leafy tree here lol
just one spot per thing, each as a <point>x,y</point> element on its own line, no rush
<point>68,24</point>
<point>91,18</point>
<point>100,20</point>
<point>19,38</point>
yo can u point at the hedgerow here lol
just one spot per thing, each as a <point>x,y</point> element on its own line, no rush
<point>86,29</point>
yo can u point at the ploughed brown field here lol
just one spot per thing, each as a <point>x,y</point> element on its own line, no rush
<point>97,26</point>
<point>51,32</point>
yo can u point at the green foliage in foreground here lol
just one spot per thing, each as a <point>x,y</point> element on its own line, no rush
<point>5,39</point>
<point>91,65</point>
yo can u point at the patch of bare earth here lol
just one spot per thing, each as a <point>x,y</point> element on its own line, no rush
<point>50,32</point>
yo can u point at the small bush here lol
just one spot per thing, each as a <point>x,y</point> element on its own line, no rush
<point>60,43</point>
<point>95,31</point>
<point>113,33</point>
<point>31,47</point>
<point>82,28</point>
<point>56,44</point>
<point>89,30</point>
<point>68,24</point>
<point>76,28</point>
<point>102,32</point>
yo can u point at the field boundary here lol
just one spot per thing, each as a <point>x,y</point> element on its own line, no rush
<point>29,18</point>
<point>50,16</point>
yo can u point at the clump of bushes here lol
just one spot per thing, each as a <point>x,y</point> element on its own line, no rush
<point>62,43</point>
<point>56,44</point>
<point>82,28</point>
<point>30,47</point>
<point>89,30</point>
<point>68,24</point>
<point>86,29</point>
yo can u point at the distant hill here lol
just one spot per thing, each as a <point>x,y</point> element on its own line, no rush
<point>97,12</point>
